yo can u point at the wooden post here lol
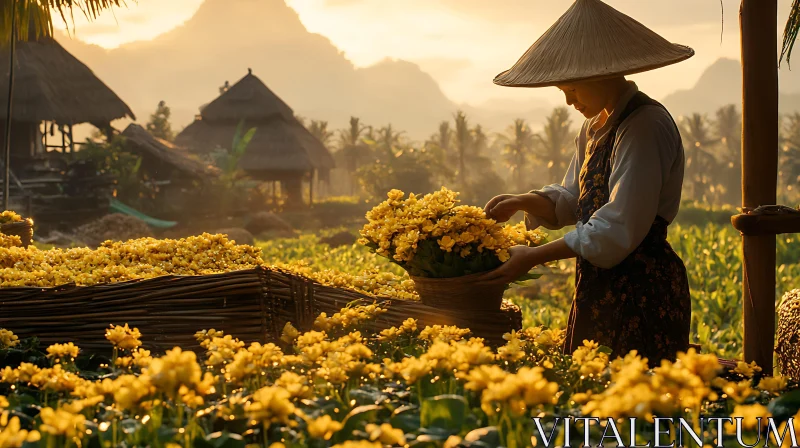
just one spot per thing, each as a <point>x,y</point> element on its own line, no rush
<point>71,141</point>
<point>311,189</point>
<point>758,22</point>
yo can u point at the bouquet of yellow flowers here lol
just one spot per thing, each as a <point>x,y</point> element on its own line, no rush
<point>431,236</point>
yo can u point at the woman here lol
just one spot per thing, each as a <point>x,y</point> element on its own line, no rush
<point>621,190</point>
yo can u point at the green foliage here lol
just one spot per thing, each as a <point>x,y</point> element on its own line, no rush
<point>111,158</point>
<point>407,169</point>
<point>159,125</point>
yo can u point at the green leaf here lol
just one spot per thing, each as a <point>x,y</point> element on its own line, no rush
<point>355,419</point>
<point>406,418</point>
<point>445,412</point>
<point>785,406</point>
<point>223,439</point>
<point>365,397</point>
<point>488,435</point>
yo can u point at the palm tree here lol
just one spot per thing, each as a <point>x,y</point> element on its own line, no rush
<point>319,129</point>
<point>791,31</point>
<point>698,139</point>
<point>352,149</point>
<point>729,131</point>
<point>442,137</point>
<point>463,141</point>
<point>518,149</point>
<point>556,143</point>
<point>480,141</point>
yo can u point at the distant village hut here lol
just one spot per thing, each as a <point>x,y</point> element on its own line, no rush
<point>177,175</point>
<point>282,149</point>
<point>53,91</point>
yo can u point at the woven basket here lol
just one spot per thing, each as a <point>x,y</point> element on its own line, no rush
<point>459,293</point>
<point>23,229</point>
<point>788,343</point>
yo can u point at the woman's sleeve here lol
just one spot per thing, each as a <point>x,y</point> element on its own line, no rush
<point>564,196</point>
<point>645,150</point>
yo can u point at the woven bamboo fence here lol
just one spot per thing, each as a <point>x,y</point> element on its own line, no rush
<point>252,305</point>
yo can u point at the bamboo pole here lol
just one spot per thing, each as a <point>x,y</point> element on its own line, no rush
<point>758,22</point>
<point>7,141</point>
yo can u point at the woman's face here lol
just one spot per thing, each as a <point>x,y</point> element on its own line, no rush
<point>586,97</point>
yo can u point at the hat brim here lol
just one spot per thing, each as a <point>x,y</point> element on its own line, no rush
<point>689,52</point>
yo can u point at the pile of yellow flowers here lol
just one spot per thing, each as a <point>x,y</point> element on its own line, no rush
<point>7,241</point>
<point>418,232</point>
<point>312,382</point>
<point>9,216</point>
<point>373,282</point>
<point>120,261</point>
<point>148,258</point>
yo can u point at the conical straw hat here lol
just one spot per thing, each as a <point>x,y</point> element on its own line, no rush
<point>591,41</point>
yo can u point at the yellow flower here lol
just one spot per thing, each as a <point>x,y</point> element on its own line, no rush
<point>173,370</point>
<point>123,337</point>
<point>747,370</point>
<point>358,444</point>
<point>124,362</point>
<point>59,422</point>
<point>386,434</point>
<point>447,243</point>
<point>12,435</point>
<point>296,385</point>
<point>8,339</point>
<point>323,427</point>
<point>310,338</point>
<point>738,392</point>
<point>705,366</point>
<point>270,405</point>
<point>63,351</point>
<point>289,333</point>
<point>481,377</point>
<point>142,358</point>
<point>773,384</point>
<point>512,351</point>
<point>750,415</point>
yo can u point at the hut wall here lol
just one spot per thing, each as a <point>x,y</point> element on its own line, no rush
<point>23,141</point>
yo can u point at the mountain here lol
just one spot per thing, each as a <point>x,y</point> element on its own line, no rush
<point>186,66</point>
<point>721,84</point>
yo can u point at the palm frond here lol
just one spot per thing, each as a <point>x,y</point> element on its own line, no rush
<point>791,32</point>
<point>39,15</point>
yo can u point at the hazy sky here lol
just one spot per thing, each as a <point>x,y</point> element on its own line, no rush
<point>463,44</point>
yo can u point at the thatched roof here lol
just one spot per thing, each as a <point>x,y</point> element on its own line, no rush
<point>276,146</point>
<point>51,84</point>
<point>281,143</point>
<point>249,99</point>
<point>139,141</point>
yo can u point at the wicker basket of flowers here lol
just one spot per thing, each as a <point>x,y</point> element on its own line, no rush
<point>13,224</point>
<point>445,247</point>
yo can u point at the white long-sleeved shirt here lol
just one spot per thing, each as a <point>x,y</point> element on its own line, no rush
<point>647,165</point>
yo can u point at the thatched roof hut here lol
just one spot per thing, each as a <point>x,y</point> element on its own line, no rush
<point>165,160</point>
<point>281,149</point>
<point>52,85</point>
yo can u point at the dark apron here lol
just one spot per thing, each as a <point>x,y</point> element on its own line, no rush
<point>642,303</point>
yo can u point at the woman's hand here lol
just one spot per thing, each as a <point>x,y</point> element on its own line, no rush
<point>501,208</point>
<point>523,259</point>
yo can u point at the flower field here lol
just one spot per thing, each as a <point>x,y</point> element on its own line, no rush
<point>340,385</point>
<point>343,385</point>
<point>712,254</point>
